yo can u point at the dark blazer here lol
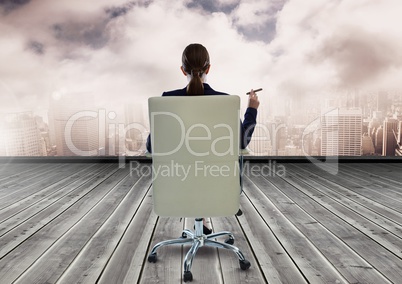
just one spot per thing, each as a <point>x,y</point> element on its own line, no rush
<point>247,126</point>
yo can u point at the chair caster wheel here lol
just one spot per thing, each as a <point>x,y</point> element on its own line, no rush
<point>187,276</point>
<point>244,264</point>
<point>183,235</point>
<point>229,241</point>
<point>152,258</point>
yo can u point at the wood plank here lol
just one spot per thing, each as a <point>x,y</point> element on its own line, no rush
<point>30,186</point>
<point>382,214</point>
<point>361,187</point>
<point>271,258</point>
<point>19,180</point>
<point>376,213</point>
<point>130,257</point>
<point>391,242</point>
<point>206,266</point>
<point>387,187</point>
<point>375,204</point>
<point>11,170</point>
<point>92,259</point>
<point>392,172</point>
<point>168,268</point>
<point>389,181</point>
<point>7,169</point>
<point>280,212</point>
<point>377,259</point>
<point>49,268</point>
<point>26,253</point>
<point>32,204</point>
<point>231,271</point>
<point>11,238</point>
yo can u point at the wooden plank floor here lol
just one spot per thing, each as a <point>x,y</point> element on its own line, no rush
<point>94,223</point>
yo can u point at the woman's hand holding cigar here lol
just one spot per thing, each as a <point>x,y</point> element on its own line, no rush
<point>253,101</point>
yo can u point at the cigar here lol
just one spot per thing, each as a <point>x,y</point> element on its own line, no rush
<point>255,91</point>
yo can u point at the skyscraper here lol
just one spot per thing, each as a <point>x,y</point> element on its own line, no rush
<point>378,137</point>
<point>20,135</point>
<point>75,127</point>
<point>390,136</point>
<point>341,132</point>
<point>134,122</point>
<point>367,145</point>
<point>261,140</point>
<point>398,151</point>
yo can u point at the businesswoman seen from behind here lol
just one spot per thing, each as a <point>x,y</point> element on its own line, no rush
<point>196,65</point>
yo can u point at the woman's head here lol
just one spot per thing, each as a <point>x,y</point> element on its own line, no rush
<point>195,62</point>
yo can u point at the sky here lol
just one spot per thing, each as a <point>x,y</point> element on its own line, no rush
<point>118,51</point>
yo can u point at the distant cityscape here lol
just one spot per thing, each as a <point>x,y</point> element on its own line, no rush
<point>351,124</point>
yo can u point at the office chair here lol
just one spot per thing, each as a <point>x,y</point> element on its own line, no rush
<point>195,163</point>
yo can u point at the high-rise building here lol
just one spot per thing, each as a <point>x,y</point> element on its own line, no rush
<point>272,138</point>
<point>383,102</point>
<point>20,135</point>
<point>341,132</point>
<point>261,140</point>
<point>135,123</point>
<point>367,145</point>
<point>398,151</point>
<point>75,128</point>
<point>378,137</point>
<point>390,136</point>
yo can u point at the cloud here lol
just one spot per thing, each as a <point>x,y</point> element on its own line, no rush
<point>36,47</point>
<point>256,13</point>
<point>254,19</point>
<point>118,11</point>
<point>336,45</point>
<point>9,5</point>
<point>358,56</point>
<point>211,6</point>
<point>129,51</point>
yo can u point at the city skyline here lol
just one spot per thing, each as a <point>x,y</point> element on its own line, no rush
<point>352,125</point>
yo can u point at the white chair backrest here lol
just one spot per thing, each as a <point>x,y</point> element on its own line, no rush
<point>195,155</point>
